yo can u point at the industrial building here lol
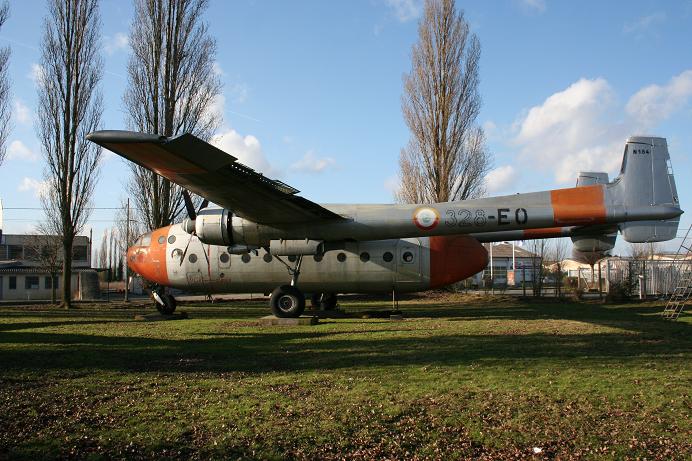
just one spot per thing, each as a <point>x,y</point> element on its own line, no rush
<point>24,275</point>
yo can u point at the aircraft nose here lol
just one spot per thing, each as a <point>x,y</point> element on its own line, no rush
<point>147,257</point>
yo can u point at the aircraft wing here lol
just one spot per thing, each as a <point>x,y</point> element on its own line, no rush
<point>215,175</point>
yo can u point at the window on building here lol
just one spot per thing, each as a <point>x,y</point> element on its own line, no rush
<point>3,252</point>
<point>50,282</point>
<point>15,252</point>
<point>79,253</point>
<point>13,282</point>
<point>31,282</point>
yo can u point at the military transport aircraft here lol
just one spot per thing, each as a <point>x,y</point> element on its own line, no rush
<point>263,237</point>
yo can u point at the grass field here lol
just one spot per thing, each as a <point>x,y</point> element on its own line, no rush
<point>461,377</point>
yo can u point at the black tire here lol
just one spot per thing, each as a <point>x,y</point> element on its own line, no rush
<point>287,302</point>
<point>329,301</point>
<point>323,301</point>
<point>169,304</point>
<point>315,300</point>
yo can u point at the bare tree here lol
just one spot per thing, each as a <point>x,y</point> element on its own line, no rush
<point>644,250</point>
<point>538,249</point>
<point>446,158</point>
<point>70,107</point>
<point>45,250</point>
<point>557,253</point>
<point>5,124</point>
<point>172,85</point>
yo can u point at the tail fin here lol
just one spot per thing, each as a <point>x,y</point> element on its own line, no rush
<point>646,179</point>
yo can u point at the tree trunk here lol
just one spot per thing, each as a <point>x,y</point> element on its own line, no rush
<point>67,272</point>
<point>53,288</point>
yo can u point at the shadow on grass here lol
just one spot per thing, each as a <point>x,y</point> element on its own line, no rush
<point>257,350</point>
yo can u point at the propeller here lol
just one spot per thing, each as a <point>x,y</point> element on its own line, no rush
<point>189,223</point>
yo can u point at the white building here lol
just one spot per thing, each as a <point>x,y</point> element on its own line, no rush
<point>24,277</point>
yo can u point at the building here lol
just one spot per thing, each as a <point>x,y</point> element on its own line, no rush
<point>508,265</point>
<point>24,275</point>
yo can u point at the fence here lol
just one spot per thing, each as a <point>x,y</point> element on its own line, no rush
<point>658,277</point>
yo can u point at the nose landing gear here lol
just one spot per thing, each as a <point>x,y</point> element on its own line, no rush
<point>165,303</point>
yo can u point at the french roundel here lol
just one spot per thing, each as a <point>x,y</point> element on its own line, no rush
<point>426,218</point>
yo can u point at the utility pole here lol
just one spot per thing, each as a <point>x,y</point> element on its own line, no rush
<point>127,244</point>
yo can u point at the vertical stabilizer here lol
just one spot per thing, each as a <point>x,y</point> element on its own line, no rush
<point>646,179</point>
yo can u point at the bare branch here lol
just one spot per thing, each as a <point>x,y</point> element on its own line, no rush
<point>172,85</point>
<point>5,123</point>
<point>446,158</point>
<point>70,106</point>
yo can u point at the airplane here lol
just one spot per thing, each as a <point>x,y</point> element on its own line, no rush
<point>261,236</point>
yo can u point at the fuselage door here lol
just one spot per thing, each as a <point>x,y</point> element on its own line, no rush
<point>408,261</point>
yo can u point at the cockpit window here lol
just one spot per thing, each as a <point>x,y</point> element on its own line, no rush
<point>144,240</point>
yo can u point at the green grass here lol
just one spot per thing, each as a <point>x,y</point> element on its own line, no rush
<point>461,377</point>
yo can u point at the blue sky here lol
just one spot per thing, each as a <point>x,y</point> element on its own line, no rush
<point>312,92</point>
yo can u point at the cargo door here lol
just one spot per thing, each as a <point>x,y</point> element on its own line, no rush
<point>408,262</point>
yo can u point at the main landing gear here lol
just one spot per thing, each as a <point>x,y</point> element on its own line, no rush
<point>323,301</point>
<point>164,302</point>
<point>287,300</point>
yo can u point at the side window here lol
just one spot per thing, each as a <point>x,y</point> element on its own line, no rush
<point>387,256</point>
<point>31,282</point>
<point>407,257</point>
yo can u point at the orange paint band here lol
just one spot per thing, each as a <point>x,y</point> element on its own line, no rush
<point>578,205</point>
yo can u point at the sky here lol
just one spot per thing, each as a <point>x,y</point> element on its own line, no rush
<point>312,93</point>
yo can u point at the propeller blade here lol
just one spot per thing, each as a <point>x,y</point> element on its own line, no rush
<point>188,205</point>
<point>182,258</point>
<point>204,204</point>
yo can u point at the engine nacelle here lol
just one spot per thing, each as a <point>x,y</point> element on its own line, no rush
<point>211,226</point>
<point>218,226</point>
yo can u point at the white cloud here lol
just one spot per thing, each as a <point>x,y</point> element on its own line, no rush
<point>39,188</point>
<point>36,73</point>
<point>500,179</point>
<point>533,5</point>
<point>247,149</point>
<point>573,130</point>
<point>654,103</point>
<point>17,150</point>
<point>119,41</point>
<point>21,112</point>
<point>392,184</point>
<point>310,163</point>
<point>217,69</point>
<point>405,10</point>
<point>217,108</point>
<point>583,128</point>
<point>644,23</point>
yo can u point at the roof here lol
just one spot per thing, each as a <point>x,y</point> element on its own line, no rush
<point>504,250</point>
<point>38,270</point>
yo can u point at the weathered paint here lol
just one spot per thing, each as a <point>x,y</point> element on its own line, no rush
<point>150,261</point>
<point>579,205</point>
<point>455,258</point>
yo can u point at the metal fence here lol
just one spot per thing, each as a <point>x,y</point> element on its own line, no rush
<point>649,277</point>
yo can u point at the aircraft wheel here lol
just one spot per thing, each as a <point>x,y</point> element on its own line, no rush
<point>287,301</point>
<point>323,301</point>
<point>315,300</point>
<point>329,301</point>
<point>168,306</point>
